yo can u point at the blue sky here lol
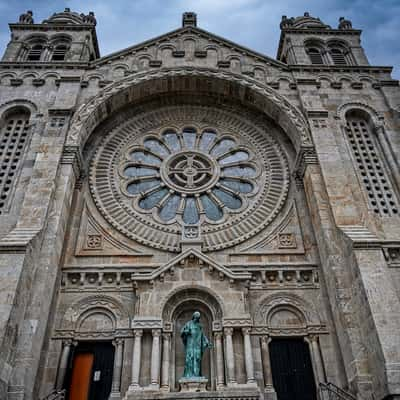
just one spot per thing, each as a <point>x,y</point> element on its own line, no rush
<point>252,23</point>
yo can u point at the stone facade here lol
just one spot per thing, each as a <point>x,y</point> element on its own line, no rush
<point>190,173</point>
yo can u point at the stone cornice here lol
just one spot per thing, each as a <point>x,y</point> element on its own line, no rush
<point>325,31</point>
<point>341,68</point>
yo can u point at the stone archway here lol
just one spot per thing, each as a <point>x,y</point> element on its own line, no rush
<point>185,80</point>
<point>177,310</point>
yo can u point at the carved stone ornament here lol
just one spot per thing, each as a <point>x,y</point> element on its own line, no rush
<point>163,170</point>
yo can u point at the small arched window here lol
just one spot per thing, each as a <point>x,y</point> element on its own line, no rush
<point>59,52</point>
<point>14,134</point>
<point>35,52</point>
<point>315,55</point>
<point>338,56</point>
<point>370,165</point>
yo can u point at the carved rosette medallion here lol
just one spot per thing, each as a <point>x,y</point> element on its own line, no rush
<point>189,165</point>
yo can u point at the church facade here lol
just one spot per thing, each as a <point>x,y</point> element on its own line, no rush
<point>189,173</point>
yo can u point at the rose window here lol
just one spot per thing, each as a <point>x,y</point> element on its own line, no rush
<point>189,176</point>
<point>160,170</point>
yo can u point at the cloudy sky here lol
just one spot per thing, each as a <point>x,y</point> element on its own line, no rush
<point>252,23</point>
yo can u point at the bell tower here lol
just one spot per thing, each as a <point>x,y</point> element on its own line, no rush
<point>64,37</point>
<point>306,40</point>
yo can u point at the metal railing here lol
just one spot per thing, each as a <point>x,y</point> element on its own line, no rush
<point>55,395</point>
<point>329,391</point>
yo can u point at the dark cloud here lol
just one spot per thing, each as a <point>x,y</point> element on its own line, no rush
<point>253,23</point>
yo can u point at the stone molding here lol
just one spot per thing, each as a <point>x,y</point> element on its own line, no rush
<point>270,303</point>
<point>191,292</point>
<point>376,117</point>
<point>146,323</point>
<point>91,114</point>
<point>201,258</point>
<point>258,208</point>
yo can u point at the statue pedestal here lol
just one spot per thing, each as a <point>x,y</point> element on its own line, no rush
<point>193,384</point>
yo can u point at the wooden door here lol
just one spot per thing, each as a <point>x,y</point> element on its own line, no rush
<point>91,370</point>
<point>292,371</point>
<point>81,376</point>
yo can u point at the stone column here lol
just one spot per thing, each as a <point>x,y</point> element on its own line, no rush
<point>316,356</point>
<point>248,356</point>
<point>137,354</point>
<point>230,356</point>
<point>165,361</point>
<point>220,360</point>
<point>155,359</point>
<point>116,381</point>
<point>266,362</point>
<point>63,365</point>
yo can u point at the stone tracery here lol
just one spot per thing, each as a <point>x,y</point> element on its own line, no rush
<point>191,165</point>
<point>190,176</point>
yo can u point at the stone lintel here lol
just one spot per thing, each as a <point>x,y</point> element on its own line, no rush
<point>146,323</point>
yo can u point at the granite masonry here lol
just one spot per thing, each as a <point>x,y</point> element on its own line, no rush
<point>189,173</point>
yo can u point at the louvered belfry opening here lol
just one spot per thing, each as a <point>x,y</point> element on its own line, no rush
<point>338,56</point>
<point>370,166</point>
<point>13,139</point>
<point>35,53</point>
<point>315,56</point>
<point>59,52</point>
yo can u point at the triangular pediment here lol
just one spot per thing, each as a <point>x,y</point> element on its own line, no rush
<point>191,256</point>
<point>187,46</point>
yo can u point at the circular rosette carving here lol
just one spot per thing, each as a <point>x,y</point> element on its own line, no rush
<point>189,176</point>
<point>148,181</point>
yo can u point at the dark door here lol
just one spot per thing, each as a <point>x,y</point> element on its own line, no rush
<point>90,373</point>
<point>291,368</point>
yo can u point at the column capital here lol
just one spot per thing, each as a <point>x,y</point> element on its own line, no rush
<point>138,332</point>
<point>166,335</point>
<point>117,342</point>
<point>218,335</point>
<point>312,337</point>
<point>69,342</point>
<point>228,331</point>
<point>156,332</point>
<point>246,330</point>
<point>265,339</point>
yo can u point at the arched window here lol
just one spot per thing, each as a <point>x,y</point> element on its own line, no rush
<point>13,139</point>
<point>338,56</point>
<point>59,52</point>
<point>35,52</point>
<point>315,55</point>
<point>370,165</point>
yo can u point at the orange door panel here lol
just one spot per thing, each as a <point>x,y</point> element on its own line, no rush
<point>81,376</point>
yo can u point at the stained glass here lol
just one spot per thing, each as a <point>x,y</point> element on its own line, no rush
<point>139,171</point>
<point>194,167</point>
<point>212,211</point>
<point>235,157</point>
<point>240,172</point>
<point>207,138</point>
<point>142,186</point>
<point>228,199</point>
<point>170,207</point>
<point>141,156</point>
<point>171,139</point>
<point>153,199</point>
<point>190,214</point>
<point>189,137</point>
<point>237,186</point>
<point>156,147</point>
<point>222,147</point>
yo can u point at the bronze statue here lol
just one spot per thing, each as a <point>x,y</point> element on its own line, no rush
<point>195,343</point>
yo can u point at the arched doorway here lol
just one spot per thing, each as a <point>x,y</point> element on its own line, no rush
<point>292,371</point>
